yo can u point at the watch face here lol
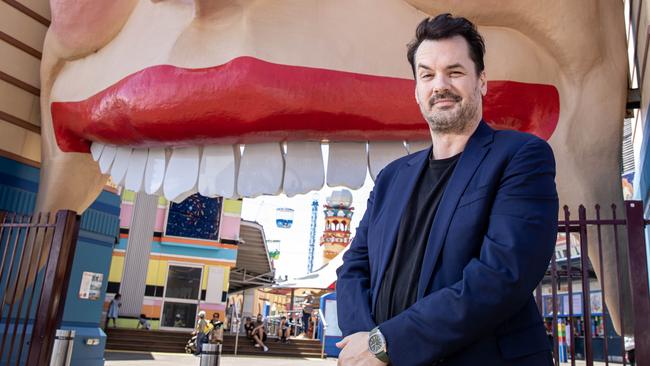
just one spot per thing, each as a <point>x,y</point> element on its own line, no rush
<point>375,344</point>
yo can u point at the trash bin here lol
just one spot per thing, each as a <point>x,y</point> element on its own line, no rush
<point>62,349</point>
<point>210,354</point>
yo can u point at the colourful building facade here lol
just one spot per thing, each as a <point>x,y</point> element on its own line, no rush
<point>185,274</point>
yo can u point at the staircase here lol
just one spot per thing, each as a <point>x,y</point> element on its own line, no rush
<point>124,339</point>
<point>174,342</point>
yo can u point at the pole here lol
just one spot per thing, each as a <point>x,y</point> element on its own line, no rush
<point>62,349</point>
<point>239,321</point>
<point>210,354</point>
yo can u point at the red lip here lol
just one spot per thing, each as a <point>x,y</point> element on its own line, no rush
<point>248,100</point>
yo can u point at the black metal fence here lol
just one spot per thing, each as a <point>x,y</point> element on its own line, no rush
<point>578,320</point>
<point>37,253</point>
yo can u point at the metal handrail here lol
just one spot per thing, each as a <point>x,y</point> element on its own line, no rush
<point>274,320</point>
<point>321,318</point>
<point>238,318</point>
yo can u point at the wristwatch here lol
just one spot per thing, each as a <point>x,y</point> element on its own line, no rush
<point>377,345</point>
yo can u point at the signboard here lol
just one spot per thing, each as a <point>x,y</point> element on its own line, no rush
<point>91,285</point>
<point>596,304</point>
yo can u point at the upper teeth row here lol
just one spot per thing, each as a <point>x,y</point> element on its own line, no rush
<point>294,167</point>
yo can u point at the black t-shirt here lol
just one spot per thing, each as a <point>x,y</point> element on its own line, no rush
<point>399,286</point>
<point>249,328</point>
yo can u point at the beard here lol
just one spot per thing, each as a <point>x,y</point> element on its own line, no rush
<point>455,120</point>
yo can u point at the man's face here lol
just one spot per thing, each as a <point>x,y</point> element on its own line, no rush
<point>448,90</point>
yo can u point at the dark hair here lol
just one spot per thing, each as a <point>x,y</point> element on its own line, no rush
<point>445,26</point>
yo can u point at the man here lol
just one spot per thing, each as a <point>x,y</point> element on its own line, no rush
<point>455,238</point>
<point>248,327</point>
<point>202,329</point>
<point>307,308</point>
<point>259,333</point>
<point>216,336</point>
<point>283,330</point>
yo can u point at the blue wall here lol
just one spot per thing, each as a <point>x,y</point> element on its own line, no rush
<point>330,340</point>
<point>98,233</point>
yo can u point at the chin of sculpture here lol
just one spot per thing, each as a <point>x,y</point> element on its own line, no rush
<point>162,95</point>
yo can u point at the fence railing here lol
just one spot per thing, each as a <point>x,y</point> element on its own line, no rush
<point>579,322</point>
<point>37,253</point>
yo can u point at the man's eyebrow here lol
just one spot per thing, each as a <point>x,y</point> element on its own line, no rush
<point>452,66</point>
<point>455,66</point>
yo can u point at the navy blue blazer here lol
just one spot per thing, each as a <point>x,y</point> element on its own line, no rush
<point>489,246</point>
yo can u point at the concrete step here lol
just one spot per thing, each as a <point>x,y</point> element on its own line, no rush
<point>169,341</point>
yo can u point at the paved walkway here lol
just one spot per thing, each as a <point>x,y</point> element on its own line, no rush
<point>114,358</point>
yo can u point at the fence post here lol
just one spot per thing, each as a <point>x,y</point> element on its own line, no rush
<point>586,291</point>
<point>639,280</point>
<point>55,286</point>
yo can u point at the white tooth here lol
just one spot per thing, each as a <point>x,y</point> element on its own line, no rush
<point>183,196</point>
<point>380,153</point>
<point>261,170</point>
<point>415,146</point>
<point>182,172</point>
<point>137,165</point>
<point>120,164</point>
<point>304,170</point>
<point>106,159</point>
<point>347,164</point>
<point>218,171</point>
<point>154,173</point>
<point>96,149</point>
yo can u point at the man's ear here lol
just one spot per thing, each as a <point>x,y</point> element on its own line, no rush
<point>483,82</point>
<point>415,90</point>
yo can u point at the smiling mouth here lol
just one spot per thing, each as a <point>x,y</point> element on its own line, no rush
<point>445,102</point>
<point>188,120</point>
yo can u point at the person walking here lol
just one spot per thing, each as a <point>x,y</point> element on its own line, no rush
<point>307,308</point>
<point>113,310</point>
<point>202,330</point>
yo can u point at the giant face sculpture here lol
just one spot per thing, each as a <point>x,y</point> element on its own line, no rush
<point>162,94</point>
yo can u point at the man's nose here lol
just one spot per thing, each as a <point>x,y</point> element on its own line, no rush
<point>440,83</point>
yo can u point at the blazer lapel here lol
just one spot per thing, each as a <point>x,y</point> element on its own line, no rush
<point>403,186</point>
<point>477,146</point>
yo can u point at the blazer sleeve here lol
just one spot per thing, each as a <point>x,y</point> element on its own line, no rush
<point>515,252</point>
<point>353,292</point>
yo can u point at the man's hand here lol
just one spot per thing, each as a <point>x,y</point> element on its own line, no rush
<point>355,351</point>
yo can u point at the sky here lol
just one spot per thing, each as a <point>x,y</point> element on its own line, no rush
<point>294,242</point>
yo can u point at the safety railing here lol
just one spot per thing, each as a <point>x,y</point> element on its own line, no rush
<point>577,288</point>
<point>35,264</point>
<point>321,319</point>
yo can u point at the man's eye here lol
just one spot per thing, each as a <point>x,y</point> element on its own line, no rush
<point>455,74</point>
<point>426,76</point>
